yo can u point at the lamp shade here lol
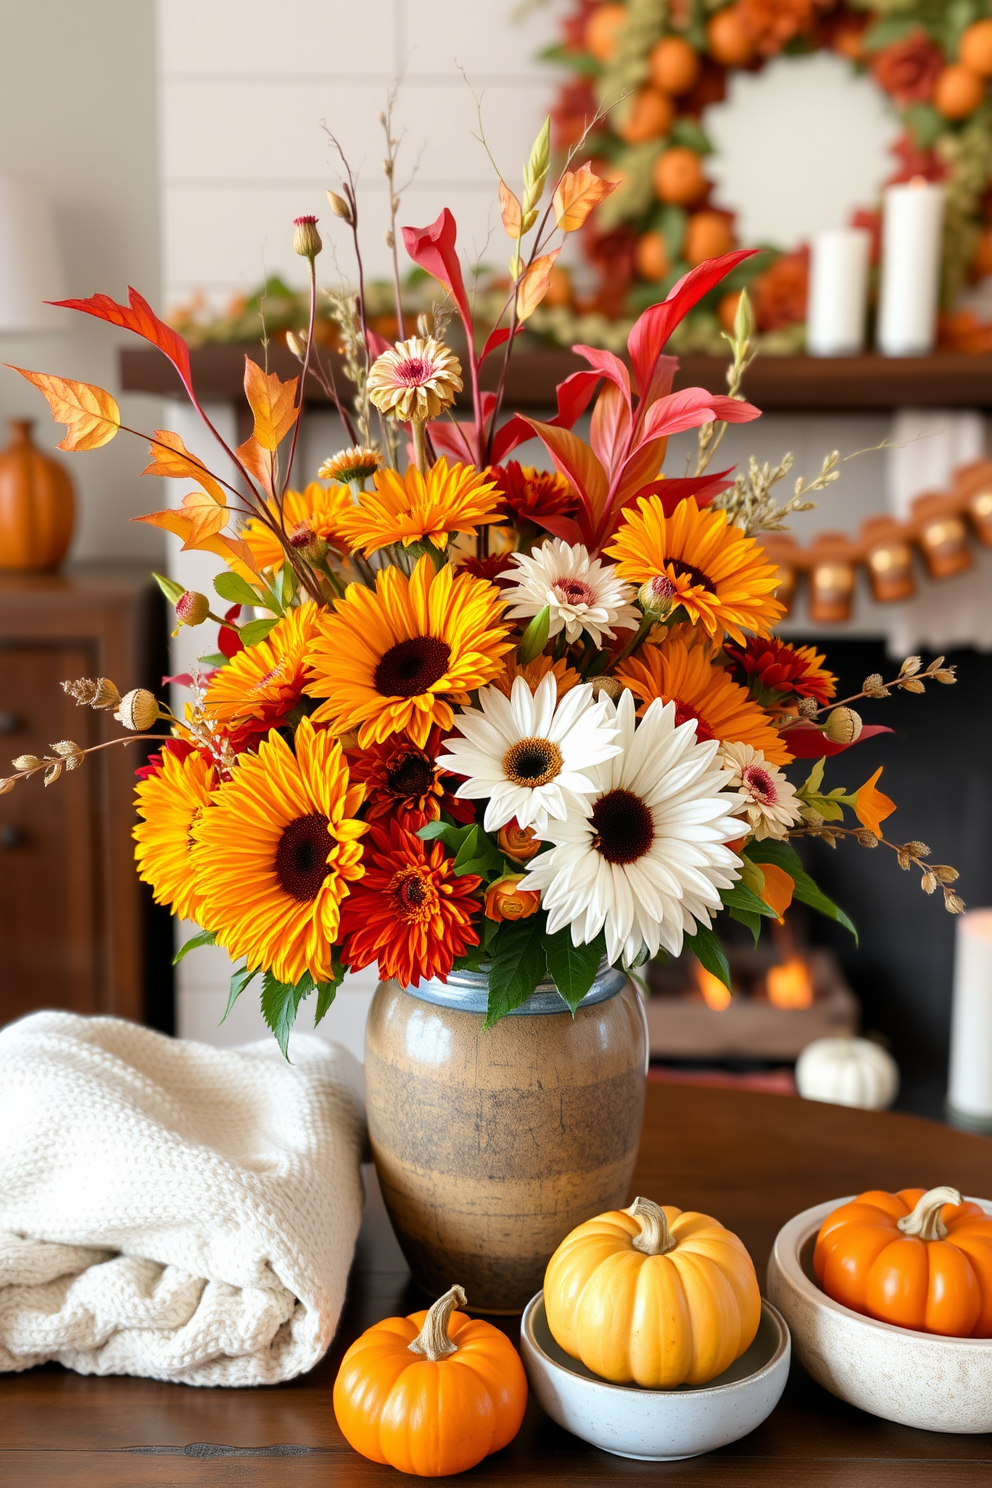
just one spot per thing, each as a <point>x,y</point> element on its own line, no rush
<point>30,270</point>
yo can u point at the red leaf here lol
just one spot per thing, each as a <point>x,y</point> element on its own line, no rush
<point>377,344</point>
<point>450,439</point>
<point>703,487</point>
<point>497,338</point>
<point>433,250</point>
<point>692,407</point>
<point>652,330</point>
<point>514,432</point>
<point>138,316</point>
<point>574,395</point>
<point>609,432</point>
<point>806,741</point>
<point>564,527</point>
<point>576,461</point>
<point>605,364</point>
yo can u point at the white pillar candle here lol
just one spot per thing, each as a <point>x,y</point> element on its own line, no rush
<point>912,235</point>
<point>838,285</point>
<point>969,1093</point>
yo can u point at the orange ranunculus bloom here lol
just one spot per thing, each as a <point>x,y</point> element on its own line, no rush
<point>520,843</point>
<point>506,900</point>
<point>871,807</point>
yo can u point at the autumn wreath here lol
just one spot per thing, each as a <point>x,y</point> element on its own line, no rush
<point>665,62</point>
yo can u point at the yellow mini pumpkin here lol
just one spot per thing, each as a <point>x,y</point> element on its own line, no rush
<point>654,1295</point>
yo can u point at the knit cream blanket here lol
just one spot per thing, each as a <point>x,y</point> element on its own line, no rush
<point>170,1209</point>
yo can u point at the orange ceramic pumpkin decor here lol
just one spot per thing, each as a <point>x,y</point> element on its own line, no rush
<point>432,1393</point>
<point>918,1259</point>
<point>654,1295</point>
<point>37,504</point>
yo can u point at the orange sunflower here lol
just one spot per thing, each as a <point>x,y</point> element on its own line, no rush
<point>397,658</point>
<point>414,508</point>
<point>277,853</point>
<point>404,781</point>
<point>264,682</point>
<point>684,674</point>
<point>534,673</point>
<point>170,802</point>
<point>697,560</point>
<point>411,912</point>
<point>312,512</point>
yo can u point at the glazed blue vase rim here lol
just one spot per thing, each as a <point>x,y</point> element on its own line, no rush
<point>468,992</point>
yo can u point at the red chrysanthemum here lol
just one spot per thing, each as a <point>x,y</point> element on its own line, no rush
<point>771,668</point>
<point>488,568</point>
<point>404,782</point>
<point>410,912</point>
<point>529,495</point>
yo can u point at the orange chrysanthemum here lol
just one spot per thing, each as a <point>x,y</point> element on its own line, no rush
<point>411,912</point>
<point>265,682</point>
<point>529,495</point>
<point>170,801</point>
<point>396,659</point>
<point>697,560</point>
<point>684,674</point>
<point>277,852</point>
<point>534,673</point>
<point>311,513</point>
<point>405,782</point>
<point>413,508</point>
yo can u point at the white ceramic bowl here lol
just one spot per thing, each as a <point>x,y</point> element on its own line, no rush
<point>656,1425</point>
<point>918,1379</point>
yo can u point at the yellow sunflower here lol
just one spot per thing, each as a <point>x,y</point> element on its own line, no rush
<point>312,512</point>
<point>683,673</point>
<point>395,659</point>
<point>413,507</point>
<point>170,800</point>
<point>265,682</point>
<point>697,560</point>
<point>277,851</point>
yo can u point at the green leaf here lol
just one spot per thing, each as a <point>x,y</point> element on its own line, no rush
<point>925,124</point>
<point>739,896</point>
<point>215,659</point>
<point>468,849</point>
<point>234,589</point>
<point>280,1003</point>
<point>687,132</point>
<point>705,946</point>
<point>239,981</point>
<point>517,965</point>
<point>256,630</point>
<point>814,779</point>
<point>169,587</point>
<point>786,857</point>
<point>752,876</point>
<point>671,222</point>
<point>573,968</point>
<point>535,637</point>
<point>287,585</point>
<point>326,991</point>
<point>433,829</point>
<point>751,921</point>
<point>205,937</point>
<point>884,32</point>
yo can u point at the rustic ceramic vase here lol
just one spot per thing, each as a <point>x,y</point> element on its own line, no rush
<point>492,1144</point>
<point>37,504</point>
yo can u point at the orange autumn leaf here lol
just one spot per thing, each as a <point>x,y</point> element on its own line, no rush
<point>171,458</point>
<point>198,518</point>
<point>138,316</point>
<point>259,463</point>
<point>273,402</point>
<point>188,524</point>
<point>512,215</point>
<point>871,807</point>
<point>534,284</point>
<point>577,194</point>
<point>778,888</point>
<point>90,414</point>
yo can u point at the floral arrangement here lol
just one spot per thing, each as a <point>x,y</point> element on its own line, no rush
<point>646,72</point>
<point>466,713</point>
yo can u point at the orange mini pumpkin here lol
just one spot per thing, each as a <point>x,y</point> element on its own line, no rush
<point>918,1259</point>
<point>432,1393</point>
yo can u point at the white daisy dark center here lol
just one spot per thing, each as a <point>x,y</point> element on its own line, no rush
<point>623,827</point>
<point>301,857</point>
<point>410,775</point>
<point>760,785</point>
<point>412,666</point>
<point>532,762</point>
<point>413,896</point>
<point>414,372</point>
<point>574,591</point>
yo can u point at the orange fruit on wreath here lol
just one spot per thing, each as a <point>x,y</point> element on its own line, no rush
<point>678,176</point>
<point>728,39</point>
<point>958,91</point>
<point>603,30</point>
<point>707,235</point>
<point>975,49</point>
<point>648,115</point>
<point>674,65</point>
<point>651,256</point>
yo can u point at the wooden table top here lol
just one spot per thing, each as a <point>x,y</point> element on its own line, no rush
<point>751,1160</point>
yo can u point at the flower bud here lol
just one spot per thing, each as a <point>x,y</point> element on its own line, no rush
<point>506,900</point>
<point>99,694</point>
<point>609,687</point>
<point>138,710</point>
<point>518,842</point>
<point>340,207</point>
<point>70,752</point>
<point>26,762</point>
<point>658,597</point>
<point>304,540</point>
<point>7,783</point>
<point>843,726</point>
<point>192,608</point>
<point>297,343</point>
<point>306,239</point>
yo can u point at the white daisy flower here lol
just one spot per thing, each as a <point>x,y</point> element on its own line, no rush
<point>584,595</point>
<point>646,859</point>
<point>531,754</point>
<point>769,800</point>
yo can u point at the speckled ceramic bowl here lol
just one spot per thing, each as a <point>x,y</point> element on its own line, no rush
<point>918,1379</point>
<point>656,1425</point>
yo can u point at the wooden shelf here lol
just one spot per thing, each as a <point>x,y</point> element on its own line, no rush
<point>776,384</point>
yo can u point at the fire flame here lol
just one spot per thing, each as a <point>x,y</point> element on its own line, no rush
<point>715,994</point>
<point>789,984</point>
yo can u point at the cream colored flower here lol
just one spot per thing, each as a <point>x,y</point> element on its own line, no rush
<point>415,379</point>
<point>355,464</point>
<point>769,800</point>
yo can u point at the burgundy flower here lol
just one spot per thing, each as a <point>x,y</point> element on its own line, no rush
<point>908,69</point>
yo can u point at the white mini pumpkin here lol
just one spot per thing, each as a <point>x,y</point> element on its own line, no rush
<point>847,1072</point>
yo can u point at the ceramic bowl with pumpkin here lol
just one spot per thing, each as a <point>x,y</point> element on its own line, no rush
<point>903,1364</point>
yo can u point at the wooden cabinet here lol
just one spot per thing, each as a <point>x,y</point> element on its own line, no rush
<point>75,924</point>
